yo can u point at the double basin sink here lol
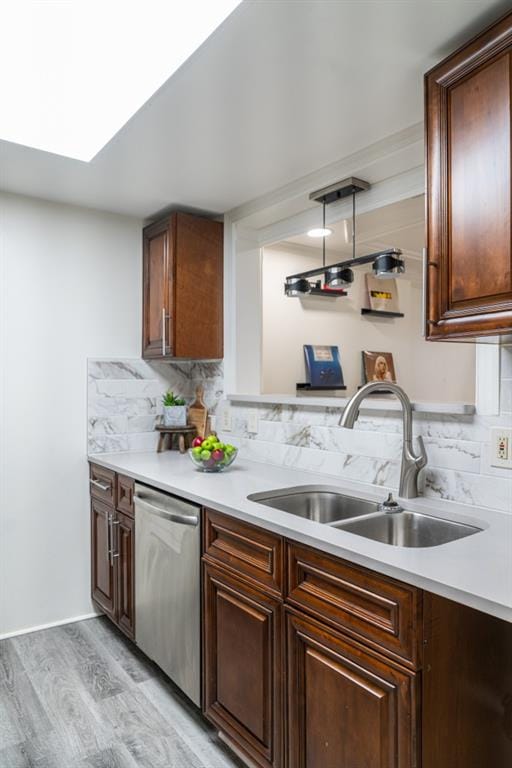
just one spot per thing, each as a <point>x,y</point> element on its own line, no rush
<point>363,518</point>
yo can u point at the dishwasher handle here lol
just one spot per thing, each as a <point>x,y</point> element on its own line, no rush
<point>173,517</point>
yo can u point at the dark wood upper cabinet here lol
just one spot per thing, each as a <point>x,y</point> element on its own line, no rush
<point>468,102</point>
<point>183,288</point>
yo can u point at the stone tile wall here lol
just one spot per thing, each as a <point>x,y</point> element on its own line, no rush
<point>124,399</point>
<point>458,446</point>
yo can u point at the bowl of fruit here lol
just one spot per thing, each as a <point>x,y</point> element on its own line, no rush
<point>209,454</point>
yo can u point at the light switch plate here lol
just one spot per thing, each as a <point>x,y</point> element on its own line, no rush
<point>501,447</point>
<point>252,422</point>
<point>225,419</point>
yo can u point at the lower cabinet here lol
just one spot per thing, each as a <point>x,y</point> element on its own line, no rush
<point>125,582</point>
<point>103,586</point>
<point>347,706</point>
<point>113,549</point>
<point>243,665</point>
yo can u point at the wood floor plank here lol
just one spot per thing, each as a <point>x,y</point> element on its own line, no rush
<point>116,756</point>
<point>15,756</point>
<point>199,736</point>
<point>45,752</point>
<point>152,741</point>
<point>19,698</point>
<point>85,697</point>
<point>78,726</point>
<point>126,654</point>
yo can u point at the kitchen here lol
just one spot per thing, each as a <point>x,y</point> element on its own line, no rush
<point>340,595</point>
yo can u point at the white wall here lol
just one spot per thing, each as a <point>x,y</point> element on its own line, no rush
<point>70,289</point>
<point>428,372</point>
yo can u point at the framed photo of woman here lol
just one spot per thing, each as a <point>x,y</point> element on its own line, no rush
<point>378,366</point>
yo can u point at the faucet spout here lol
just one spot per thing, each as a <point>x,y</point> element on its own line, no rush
<point>412,463</point>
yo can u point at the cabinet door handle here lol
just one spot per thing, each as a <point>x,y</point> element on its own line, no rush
<point>109,539</point>
<point>102,486</point>
<point>111,553</point>
<point>163,331</point>
<point>424,293</point>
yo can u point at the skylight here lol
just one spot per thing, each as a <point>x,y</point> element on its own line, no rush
<point>72,72</point>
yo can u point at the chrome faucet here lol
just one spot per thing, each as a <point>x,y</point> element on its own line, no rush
<point>411,464</point>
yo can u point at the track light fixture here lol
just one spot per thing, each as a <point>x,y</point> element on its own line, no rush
<point>385,263</point>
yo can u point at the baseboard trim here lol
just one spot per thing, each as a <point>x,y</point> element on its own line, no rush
<point>51,624</point>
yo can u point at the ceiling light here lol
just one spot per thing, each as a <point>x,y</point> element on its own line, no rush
<point>297,286</point>
<point>338,276</point>
<point>75,72</point>
<point>319,232</point>
<point>388,265</point>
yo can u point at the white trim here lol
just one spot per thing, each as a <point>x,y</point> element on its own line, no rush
<point>312,401</point>
<point>381,153</point>
<point>401,186</point>
<point>51,624</point>
<point>229,368</point>
<point>487,384</point>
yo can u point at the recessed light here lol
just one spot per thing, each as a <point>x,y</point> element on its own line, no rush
<point>75,72</point>
<point>319,232</point>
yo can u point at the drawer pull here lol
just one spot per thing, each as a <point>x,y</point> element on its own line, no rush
<point>102,486</point>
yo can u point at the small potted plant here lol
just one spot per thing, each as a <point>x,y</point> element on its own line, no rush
<point>175,410</point>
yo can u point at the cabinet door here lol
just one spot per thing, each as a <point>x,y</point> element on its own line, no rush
<point>347,707</point>
<point>242,666</point>
<point>468,114</point>
<point>125,573</point>
<point>102,569</point>
<point>157,290</point>
<point>199,287</point>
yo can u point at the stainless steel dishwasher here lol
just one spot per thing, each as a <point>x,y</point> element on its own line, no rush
<point>167,586</point>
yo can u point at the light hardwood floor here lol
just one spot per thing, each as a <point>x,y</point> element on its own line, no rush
<point>82,696</point>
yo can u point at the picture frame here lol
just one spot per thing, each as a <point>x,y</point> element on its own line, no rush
<point>378,366</point>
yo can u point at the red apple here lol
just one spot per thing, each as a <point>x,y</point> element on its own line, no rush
<point>197,441</point>
<point>218,455</point>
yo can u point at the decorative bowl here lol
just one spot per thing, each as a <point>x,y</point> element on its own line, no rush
<point>213,465</point>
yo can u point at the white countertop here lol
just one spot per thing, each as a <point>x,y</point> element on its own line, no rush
<point>475,571</point>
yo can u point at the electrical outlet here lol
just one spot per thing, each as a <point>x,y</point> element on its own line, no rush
<point>225,419</point>
<point>501,447</point>
<point>252,422</point>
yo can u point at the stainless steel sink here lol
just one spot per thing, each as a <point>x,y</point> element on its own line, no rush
<point>324,504</point>
<point>408,529</point>
<point>318,503</point>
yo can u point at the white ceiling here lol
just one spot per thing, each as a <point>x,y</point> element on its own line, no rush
<point>282,88</point>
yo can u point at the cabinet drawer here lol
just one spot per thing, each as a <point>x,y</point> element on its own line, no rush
<point>250,552</point>
<point>125,494</point>
<point>103,484</point>
<point>381,611</point>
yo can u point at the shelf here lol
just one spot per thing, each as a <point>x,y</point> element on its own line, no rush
<point>332,293</point>
<point>330,401</point>
<point>381,313</point>
<point>308,388</point>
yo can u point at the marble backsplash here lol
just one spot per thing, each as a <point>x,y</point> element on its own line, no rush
<point>309,438</point>
<point>124,399</point>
